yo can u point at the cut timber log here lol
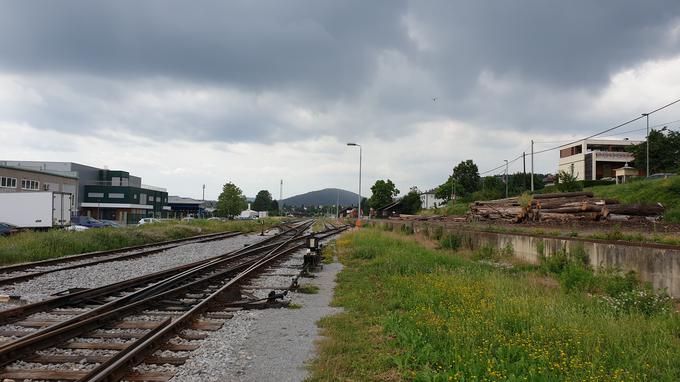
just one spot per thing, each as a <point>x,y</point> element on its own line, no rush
<point>636,209</point>
<point>587,194</point>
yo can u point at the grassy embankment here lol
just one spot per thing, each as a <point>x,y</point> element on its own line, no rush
<point>664,191</point>
<point>413,313</point>
<point>34,246</point>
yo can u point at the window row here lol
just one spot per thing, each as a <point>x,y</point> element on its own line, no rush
<point>27,184</point>
<point>8,182</point>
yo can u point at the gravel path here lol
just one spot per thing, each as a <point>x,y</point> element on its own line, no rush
<point>42,287</point>
<point>266,345</point>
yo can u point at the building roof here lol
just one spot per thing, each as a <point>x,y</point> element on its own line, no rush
<point>36,171</point>
<point>172,199</point>
<point>619,142</point>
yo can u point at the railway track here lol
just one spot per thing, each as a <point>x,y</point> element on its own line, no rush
<point>21,272</point>
<point>111,333</point>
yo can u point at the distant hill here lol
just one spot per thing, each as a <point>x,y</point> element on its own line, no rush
<point>326,197</point>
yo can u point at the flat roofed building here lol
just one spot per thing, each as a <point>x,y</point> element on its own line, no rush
<point>17,179</point>
<point>105,194</point>
<point>593,159</point>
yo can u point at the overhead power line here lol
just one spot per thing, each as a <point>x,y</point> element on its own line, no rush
<point>591,136</point>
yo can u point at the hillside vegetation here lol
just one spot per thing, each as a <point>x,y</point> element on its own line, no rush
<point>664,191</point>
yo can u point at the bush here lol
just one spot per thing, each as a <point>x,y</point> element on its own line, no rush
<point>613,283</point>
<point>577,277</point>
<point>672,215</point>
<point>451,241</point>
<point>567,182</point>
<point>640,300</point>
<point>437,233</point>
<point>484,253</point>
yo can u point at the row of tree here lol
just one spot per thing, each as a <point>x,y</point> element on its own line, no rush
<point>232,201</point>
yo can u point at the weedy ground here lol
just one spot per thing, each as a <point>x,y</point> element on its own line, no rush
<point>412,313</point>
<point>34,246</point>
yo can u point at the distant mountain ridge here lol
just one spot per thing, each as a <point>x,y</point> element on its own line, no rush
<point>325,197</point>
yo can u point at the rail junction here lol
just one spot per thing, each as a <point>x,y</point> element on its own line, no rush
<point>122,330</point>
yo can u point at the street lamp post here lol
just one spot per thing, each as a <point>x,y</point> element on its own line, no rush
<point>360,154</point>
<point>647,144</point>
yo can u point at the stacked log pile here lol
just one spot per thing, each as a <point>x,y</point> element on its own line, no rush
<point>563,207</point>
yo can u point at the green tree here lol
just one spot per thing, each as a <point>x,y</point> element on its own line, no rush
<point>567,182</point>
<point>383,194</point>
<point>231,201</point>
<point>411,203</point>
<point>263,201</point>
<point>664,152</point>
<point>466,175</point>
<point>274,208</point>
<point>464,180</point>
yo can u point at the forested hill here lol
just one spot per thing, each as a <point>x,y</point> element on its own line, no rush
<point>325,197</point>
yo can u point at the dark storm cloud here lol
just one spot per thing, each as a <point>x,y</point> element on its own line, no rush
<point>368,67</point>
<point>323,46</point>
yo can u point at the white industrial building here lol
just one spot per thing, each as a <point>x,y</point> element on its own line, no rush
<point>593,159</point>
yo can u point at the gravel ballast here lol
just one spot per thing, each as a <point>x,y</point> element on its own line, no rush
<point>266,345</point>
<point>97,275</point>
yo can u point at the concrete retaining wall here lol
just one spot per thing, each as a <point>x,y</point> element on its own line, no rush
<point>655,263</point>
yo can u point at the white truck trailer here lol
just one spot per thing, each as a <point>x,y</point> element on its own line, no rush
<point>36,209</point>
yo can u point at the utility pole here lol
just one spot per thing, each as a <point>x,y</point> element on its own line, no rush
<point>532,165</point>
<point>453,189</point>
<point>524,178</point>
<point>337,206</point>
<point>506,178</point>
<point>647,144</point>
<point>203,199</point>
<point>280,197</point>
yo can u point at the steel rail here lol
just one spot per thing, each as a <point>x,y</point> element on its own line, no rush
<point>117,367</point>
<point>129,256</point>
<point>94,319</point>
<point>80,256</point>
<point>10,315</point>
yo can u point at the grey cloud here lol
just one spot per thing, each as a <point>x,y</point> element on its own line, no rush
<point>352,62</point>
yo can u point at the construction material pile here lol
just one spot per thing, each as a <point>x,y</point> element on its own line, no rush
<point>561,207</point>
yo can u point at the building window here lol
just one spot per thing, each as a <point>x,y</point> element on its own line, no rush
<point>8,182</point>
<point>142,198</point>
<point>46,187</point>
<point>95,194</point>
<point>116,195</point>
<point>27,184</point>
<point>134,196</point>
<point>115,181</point>
<point>151,199</point>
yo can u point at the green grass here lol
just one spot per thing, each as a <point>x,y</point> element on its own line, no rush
<point>427,315</point>
<point>664,191</point>
<point>307,289</point>
<point>35,246</point>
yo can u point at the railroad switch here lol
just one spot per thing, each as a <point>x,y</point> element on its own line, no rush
<point>312,259</point>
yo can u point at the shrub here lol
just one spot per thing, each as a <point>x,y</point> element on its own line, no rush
<point>613,283</point>
<point>437,233</point>
<point>484,253</point>
<point>640,300</point>
<point>577,277</point>
<point>451,241</point>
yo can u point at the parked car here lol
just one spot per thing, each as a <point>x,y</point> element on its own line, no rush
<point>89,222</point>
<point>187,219</point>
<point>215,218</point>
<point>7,229</point>
<point>110,223</point>
<point>76,227</point>
<point>148,221</point>
<point>662,175</point>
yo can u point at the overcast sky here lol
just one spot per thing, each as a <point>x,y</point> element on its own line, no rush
<point>184,93</point>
